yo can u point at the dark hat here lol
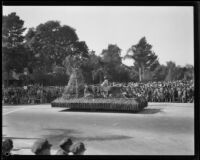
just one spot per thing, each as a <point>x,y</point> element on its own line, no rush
<point>39,145</point>
<point>65,141</point>
<point>7,144</point>
<point>76,148</point>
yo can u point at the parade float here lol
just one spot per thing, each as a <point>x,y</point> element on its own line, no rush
<point>79,96</point>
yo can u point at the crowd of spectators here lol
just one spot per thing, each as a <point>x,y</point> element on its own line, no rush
<point>31,94</point>
<point>171,91</point>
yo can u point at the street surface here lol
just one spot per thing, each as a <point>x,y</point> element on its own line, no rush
<point>160,129</point>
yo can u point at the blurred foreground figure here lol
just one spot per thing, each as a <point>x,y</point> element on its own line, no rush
<point>41,147</point>
<point>64,145</point>
<point>78,148</point>
<point>7,146</point>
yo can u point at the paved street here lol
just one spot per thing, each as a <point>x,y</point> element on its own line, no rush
<point>161,129</point>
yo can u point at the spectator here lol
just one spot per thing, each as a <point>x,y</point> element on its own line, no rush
<point>64,145</point>
<point>7,146</point>
<point>78,148</point>
<point>105,87</point>
<point>41,147</point>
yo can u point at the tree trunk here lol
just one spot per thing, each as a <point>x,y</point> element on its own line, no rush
<point>140,74</point>
<point>93,77</point>
<point>76,86</point>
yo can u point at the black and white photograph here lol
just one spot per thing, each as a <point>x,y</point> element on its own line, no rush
<point>98,80</point>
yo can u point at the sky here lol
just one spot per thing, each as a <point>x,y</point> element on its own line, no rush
<point>168,29</point>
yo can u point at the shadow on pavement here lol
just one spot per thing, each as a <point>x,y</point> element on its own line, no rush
<point>66,131</point>
<point>150,111</point>
<point>101,111</point>
<point>144,111</point>
<point>54,138</point>
<point>57,134</point>
<point>106,138</point>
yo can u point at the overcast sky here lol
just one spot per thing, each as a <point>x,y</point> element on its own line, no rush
<point>168,29</point>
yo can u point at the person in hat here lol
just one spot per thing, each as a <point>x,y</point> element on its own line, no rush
<point>7,146</point>
<point>64,145</point>
<point>41,147</point>
<point>105,87</point>
<point>78,148</point>
<point>87,93</point>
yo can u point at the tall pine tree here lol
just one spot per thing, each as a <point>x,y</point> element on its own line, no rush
<point>13,52</point>
<point>143,56</point>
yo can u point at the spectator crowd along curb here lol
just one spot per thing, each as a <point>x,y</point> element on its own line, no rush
<point>32,94</point>
<point>171,91</point>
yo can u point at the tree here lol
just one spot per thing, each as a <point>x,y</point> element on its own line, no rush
<point>160,73</point>
<point>133,74</point>
<point>186,72</point>
<point>179,72</point>
<point>89,67</point>
<point>171,71</point>
<point>14,54</point>
<point>112,54</point>
<point>189,72</point>
<point>143,56</point>
<point>78,54</point>
<point>111,60</point>
<point>123,73</point>
<point>12,30</point>
<point>15,58</point>
<point>51,43</point>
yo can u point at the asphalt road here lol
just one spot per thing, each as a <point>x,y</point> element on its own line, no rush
<point>160,129</point>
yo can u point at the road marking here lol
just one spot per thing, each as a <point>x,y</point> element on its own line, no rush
<point>16,110</point>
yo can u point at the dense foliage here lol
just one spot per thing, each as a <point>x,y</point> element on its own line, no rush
<point>14,54</point>
<point>51,51</point>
